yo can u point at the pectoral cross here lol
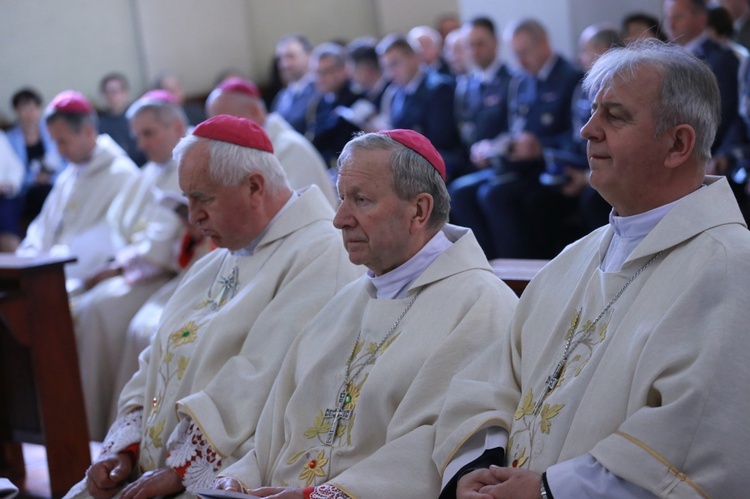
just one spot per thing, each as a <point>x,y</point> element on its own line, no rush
<point>337,414</point>
<point>550,384</point>
<point>228,285</point>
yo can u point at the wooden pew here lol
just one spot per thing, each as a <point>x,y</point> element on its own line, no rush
<point>41,400</point>
<point>517,273</point>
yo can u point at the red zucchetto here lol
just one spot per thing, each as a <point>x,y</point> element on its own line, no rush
<point>72,102</point>
<point>235,130</point>
<point>239,85</point>
<point>419,144</point>
<point>160,95</point>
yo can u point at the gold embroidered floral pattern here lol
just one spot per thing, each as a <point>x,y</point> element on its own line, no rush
<point>320,466</point>
<point>154,433</point>
<point>188,334</point>
<point>314,468</point>
<point>169,371</point>
<point>527,424</point>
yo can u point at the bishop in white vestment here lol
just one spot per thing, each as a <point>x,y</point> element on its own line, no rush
<point>352,412</point>
<point>229,323</point>
<point>73,217</point>
<point>624,369</point>
<point>146,233</point>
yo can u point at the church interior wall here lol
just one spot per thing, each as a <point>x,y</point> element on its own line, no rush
<point>54,46</point>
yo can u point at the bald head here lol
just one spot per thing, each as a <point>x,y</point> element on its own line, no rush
<point>237,104</point>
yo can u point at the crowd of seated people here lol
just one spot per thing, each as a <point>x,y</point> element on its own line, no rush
<point>103,185</point>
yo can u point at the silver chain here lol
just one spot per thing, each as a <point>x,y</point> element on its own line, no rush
<point>570,346</point>
<point>369,360</point>
<point>591,327</point>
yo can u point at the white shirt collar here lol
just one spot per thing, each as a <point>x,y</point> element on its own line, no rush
<point>395,283</point>
<point>296,87</point>
<point>488,74</point>
<point>543,73</point>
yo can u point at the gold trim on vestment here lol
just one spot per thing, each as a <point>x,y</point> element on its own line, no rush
<point>342,489</point>
<point>663,461</point>
<point>200,427</point>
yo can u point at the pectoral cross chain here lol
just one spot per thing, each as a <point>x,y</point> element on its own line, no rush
<point>550,384</point>
<point>337,415</point>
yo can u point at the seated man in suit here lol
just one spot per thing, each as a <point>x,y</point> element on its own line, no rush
<point>514,202</point>
<point>422,101</point>
<point>431,44</point>
<point>293,54</point>
<point>686,22</point>
<point>328,126</point>
<point>481,114</point>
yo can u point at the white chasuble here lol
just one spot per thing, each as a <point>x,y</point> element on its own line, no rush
<point>375,440</point>
<point>73,217</point>
<point>236,341</point>
<point>653,390</point>
<point>146,236</point>
<point>138,218</point>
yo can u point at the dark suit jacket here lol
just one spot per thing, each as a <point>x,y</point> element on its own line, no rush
<point>293,107</point>
<point>742,35</point>
<point>429,111</point>
<point>725,66</point>
<point>482,108</point>
<point>545,112</point>
<point>326,129</point>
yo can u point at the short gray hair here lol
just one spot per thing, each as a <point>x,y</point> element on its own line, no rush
<point>689,92</point>
<point>412,174</point>
<point>165,112</point>
<point>230,164</point>
<point>532,27</point>
<point>332,50</point>
<point>76,121</point>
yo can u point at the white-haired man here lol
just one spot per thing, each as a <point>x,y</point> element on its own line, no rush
<point>145,235</point>
<point>620,375</point>
<point>73,219</point>
<point>301,161</point>
<point>352,413</point>
<point>206,375</point>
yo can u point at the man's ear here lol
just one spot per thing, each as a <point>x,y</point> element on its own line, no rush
<point>681,145</point>
<point>256,185</point>
<point>424,205</point>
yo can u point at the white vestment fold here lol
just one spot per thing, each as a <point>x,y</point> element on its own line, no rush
<point>382,446</point>
<point>653,391</point>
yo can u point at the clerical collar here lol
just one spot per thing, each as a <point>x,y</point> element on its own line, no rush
<point>415,82</point>
<point>488,74</point>
<point>250,248</point>
<point>395,283</point>
<point>629,232</point>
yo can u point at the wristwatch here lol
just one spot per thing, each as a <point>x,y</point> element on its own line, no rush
<point>544,492</point>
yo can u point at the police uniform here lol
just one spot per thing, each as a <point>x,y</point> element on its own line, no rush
<point>521,213</point>
<point>292,103</point>
<point>326,127</point>
<point>428,109</point>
